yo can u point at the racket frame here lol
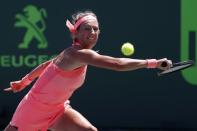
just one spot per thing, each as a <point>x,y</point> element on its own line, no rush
<point>182,65</point>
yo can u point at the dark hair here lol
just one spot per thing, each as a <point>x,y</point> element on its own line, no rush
<point>76,16</point>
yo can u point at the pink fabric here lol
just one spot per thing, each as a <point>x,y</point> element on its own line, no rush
<point>48,98</point>
<point>151,63</point>
<point>74,27</point>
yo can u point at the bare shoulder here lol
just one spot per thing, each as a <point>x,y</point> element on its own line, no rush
<point>83,55</point>
<point>89,52</point>
<point>72,58</point>
<point>74,55</point>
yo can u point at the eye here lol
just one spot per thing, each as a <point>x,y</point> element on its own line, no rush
<point>88,28</point>
<point>96,29</point>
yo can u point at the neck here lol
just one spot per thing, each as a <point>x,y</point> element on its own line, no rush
<point>76,43</point>
<point>81,45</point>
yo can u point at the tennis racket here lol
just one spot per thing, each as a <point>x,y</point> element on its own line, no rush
<point>176,67</point>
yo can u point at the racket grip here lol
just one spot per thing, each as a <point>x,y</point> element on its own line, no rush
<point>164,64</point>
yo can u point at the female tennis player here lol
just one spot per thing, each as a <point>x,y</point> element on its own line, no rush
<point>46,105</point>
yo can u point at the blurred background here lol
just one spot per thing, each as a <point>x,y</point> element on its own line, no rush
<point>35,31</point>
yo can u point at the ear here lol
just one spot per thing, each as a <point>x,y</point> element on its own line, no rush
<point>74,35</point>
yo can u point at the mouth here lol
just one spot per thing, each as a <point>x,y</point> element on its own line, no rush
<point>92,37</point>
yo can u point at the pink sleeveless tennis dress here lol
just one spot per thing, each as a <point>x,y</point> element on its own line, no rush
<point>48,98</point>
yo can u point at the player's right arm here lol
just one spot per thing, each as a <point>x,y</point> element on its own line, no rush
<point>91,57</point>
<point>19,85</point>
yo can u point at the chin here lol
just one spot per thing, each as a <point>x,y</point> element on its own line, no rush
<point>92,42</point>
<point>91,45</point>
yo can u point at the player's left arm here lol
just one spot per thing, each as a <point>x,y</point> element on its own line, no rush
<point>91,57</point>
<point>108,62</point>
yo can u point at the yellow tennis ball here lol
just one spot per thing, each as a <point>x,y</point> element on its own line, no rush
<point>127,49</point>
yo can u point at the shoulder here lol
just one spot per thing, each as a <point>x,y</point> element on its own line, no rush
<point>84,55</point>
<point>83,52</point>
<point>78,55</point>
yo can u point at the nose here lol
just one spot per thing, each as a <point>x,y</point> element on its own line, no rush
<point>93,31</point>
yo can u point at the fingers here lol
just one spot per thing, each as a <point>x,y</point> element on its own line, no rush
<point>14,87</point>
<point>170,63</point>
<point>8,89</point>
<point>164,64</point>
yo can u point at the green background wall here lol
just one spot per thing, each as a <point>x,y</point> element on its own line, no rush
<point>108,98</point>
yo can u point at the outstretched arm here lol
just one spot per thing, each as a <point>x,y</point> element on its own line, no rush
<point>17,86</point>
<point>38,70</point>
<point>119,64</point>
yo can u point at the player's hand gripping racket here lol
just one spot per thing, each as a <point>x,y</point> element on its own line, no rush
<point>176,67</point>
